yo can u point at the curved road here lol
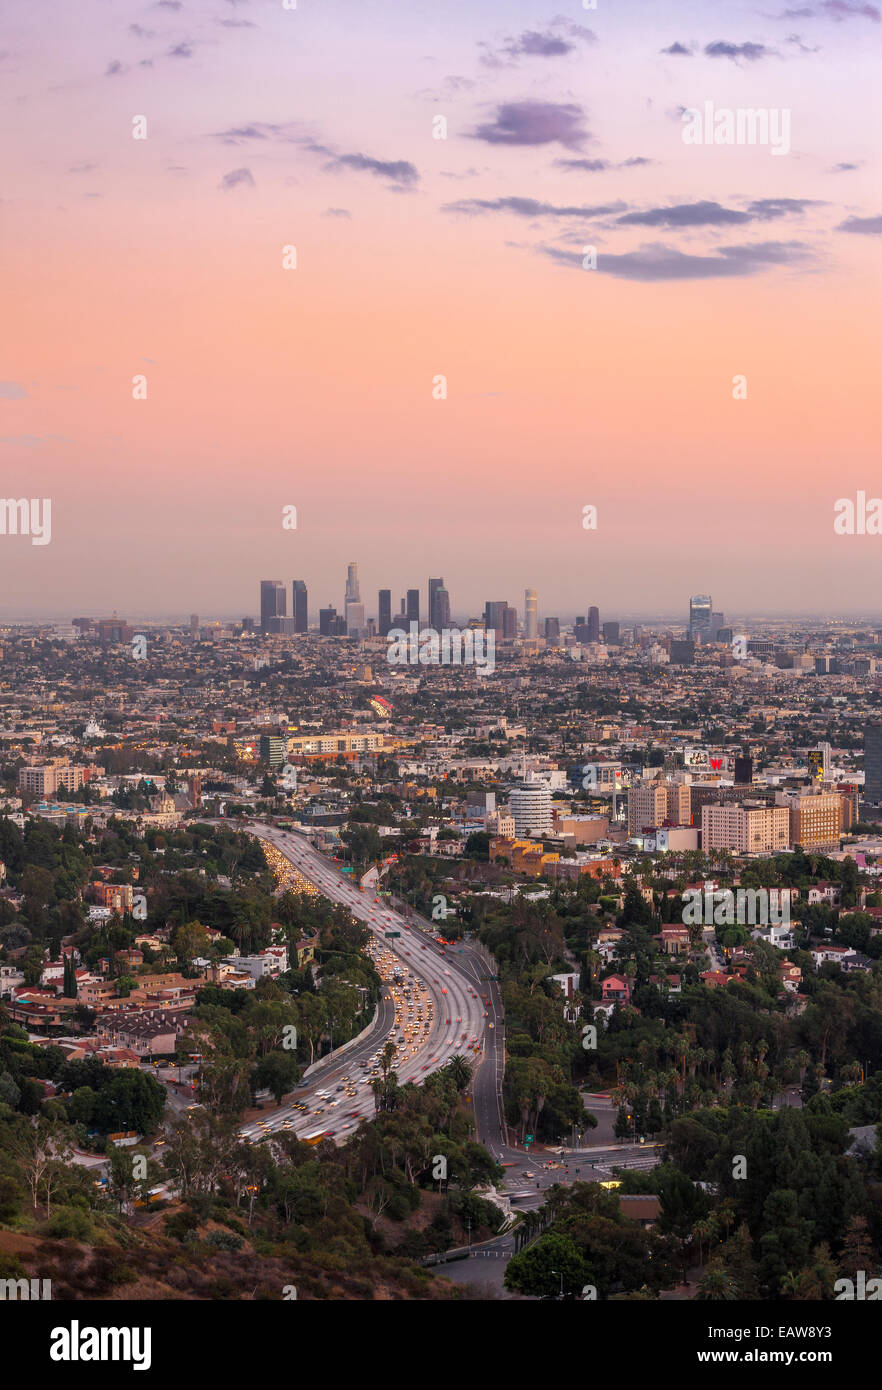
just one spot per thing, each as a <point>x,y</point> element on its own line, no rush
<point>458,1024</point>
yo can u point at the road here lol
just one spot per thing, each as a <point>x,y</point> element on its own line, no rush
<point>447,988</point>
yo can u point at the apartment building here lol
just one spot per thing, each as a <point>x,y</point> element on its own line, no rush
<point>745,829</point>
<point>47,779</point>
<point>653,803</point>
<point>815,818</point>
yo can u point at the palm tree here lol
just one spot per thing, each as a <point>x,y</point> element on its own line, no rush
<point>702,1229</point>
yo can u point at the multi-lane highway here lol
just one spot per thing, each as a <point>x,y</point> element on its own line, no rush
<point>451,1008</point>
<point>442,1015</point>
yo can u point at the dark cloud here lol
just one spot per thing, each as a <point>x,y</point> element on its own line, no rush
<point>238,24</point>
<point>181,50</point>
<point>398,171</point>
<point>12,391</point>
<point>114,68</point>
<point>678,50</point>
<point>657,262</point>
<point>139,32</point>
<point>843,168</point>
<point>236,177</point>
<point>560,38</point>
<point>535,123</point>
<point>863,226</point>
<point>750,52</point>
<point>702,214</point>
<point>528,207</point>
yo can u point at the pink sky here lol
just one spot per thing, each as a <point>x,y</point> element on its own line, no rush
<point>419,257</point>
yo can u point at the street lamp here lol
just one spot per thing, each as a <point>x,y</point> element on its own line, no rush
<point>555,1271</point>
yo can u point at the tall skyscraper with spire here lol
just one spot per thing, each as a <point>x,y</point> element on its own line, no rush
<point>353,592</point>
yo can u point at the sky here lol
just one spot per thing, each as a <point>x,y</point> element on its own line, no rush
<point>439,277</point>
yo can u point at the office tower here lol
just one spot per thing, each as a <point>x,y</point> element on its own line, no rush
<point>273,749</point>
<point>353,593</point>
<point>726,635</point>
<point>298,604</point>
<point>413,606</point>
<point>194,623</point>
<point>327,621</point>
<point>531,614</point>
<point>530,804</point>
<point>552,631</point>
<point>355,623</point>
<point>384,621</point>
<point>280,626</point>
<point>434,586</point>
<point>611,633</point>
<point>745,829</point>
<point>700,616</point>
<point>272,601</point>
<point>509,623</point>
<point>743,770</point>
<point>873,762</point>
<point>442,605</point>
<point>581,630</point>
<point>717,620</point>
<point>494,617</point>
<point>682,653</point>
<point>593,625</point>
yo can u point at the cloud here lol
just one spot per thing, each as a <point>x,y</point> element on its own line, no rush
<point>337,212</point>
<point>766,208</point>
<point>12,391</point>
<point>398,171</point>
<point>528,207</point>
<point>535,123</point>
<point>139,32</point>
<point>702,214</point>
<point>843,168</point>
<point>113,69</point>
<point>28,440</point>
<point>710,214</point>
<point>601,166</point>
<point>837,10</point>
<point>238,24</point>
<point>657,263</point>
<point>236,177</point>
<point>559,39</point>
<point>862,226</point>
<point>751,52</point>
<point>678,50</point>
<point>255,130</point>
<point>181,50</point>
<point>170,4</point>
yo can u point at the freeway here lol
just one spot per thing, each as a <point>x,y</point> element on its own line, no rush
<point>444,996</point>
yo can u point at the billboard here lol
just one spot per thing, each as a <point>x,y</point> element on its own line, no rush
<point>696,759</point>
<point>816,764</point>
